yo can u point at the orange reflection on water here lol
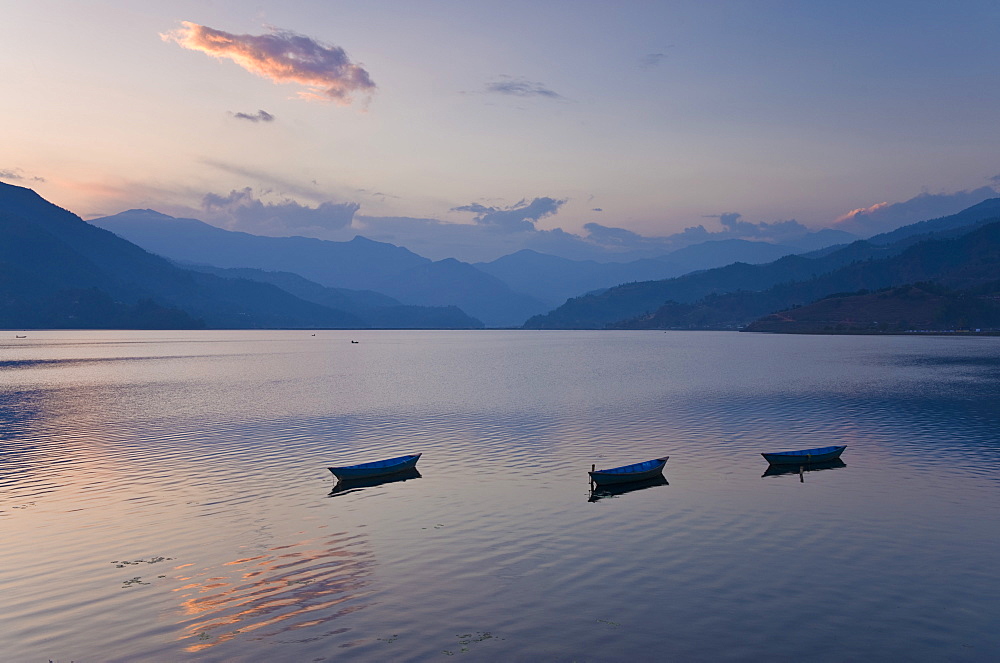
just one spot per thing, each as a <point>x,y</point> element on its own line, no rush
<point>322,579</point>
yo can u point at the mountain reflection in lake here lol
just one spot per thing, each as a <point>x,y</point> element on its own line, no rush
<point>164,496</point>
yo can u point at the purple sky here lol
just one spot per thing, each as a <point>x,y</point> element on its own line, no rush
<point>472,129</point>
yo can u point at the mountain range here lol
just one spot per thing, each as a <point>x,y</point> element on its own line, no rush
<point>360,264</point>
<point>57,271</point>
<point>553,279</point>
<point>375,309</point>
<point>732,296</point>
<point>501,293</point>
<point>143,269</point>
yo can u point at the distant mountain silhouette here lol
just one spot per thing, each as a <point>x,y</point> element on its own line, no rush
<point>455,282</point>
<point>377,310</point>
<point>58,271</point>
<point>360,264</point>
<point>736,294</point>
<point>553,280</point>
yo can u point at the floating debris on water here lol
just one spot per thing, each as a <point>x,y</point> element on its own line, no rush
<point>151,560</point>
<point>467,639</point>
<point>137,580</point>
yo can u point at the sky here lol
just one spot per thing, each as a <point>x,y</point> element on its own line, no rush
<point>473,129</point>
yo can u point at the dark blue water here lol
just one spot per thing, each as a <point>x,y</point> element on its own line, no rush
<point>164,496</point>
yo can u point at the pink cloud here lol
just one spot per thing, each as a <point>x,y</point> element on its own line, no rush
<point>883,217</point>
<point>861,210</point>
<point>283,57</point>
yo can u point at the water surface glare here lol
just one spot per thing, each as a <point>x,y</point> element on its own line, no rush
<point>164,496</point>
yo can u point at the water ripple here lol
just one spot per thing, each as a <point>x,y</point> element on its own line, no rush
<point>179,482</point>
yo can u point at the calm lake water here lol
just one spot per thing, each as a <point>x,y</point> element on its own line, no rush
<point>164,496</point>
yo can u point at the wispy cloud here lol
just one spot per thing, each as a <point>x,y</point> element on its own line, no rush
<point>18,174</point>
<point>259,116</point>
<point>283,57</point>
<point>519,217</point>
<point>651,60</point>
<point>274,181</point>
<point>521,87</point>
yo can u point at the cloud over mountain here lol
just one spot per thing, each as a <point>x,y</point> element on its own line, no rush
<point>518,217</point>
<point>733,227</point>
<point>243,210</point>
<point>17,174</point>
<point>283,57</point>
<point>883,217</point>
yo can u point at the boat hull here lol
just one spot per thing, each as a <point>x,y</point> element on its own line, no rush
<point>805,456</point>
<point>628,473</point>
<point>378,468</point>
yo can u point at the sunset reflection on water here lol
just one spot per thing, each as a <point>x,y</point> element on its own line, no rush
<point>292,586</point>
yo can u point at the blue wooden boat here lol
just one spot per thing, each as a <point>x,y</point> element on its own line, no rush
<point>627,473</point>
<point>376,468</point>
<point>805,456</point>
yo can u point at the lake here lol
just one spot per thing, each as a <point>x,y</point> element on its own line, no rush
<point>164,496</point>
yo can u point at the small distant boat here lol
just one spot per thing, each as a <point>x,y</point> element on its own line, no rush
<point>627,473</point>
<point>353,341</point>
<point>16,336</point>
<point>376,468</point>
<point>805,456</point>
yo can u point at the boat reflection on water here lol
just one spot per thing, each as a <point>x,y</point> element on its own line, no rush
<point>615,490</point>
<point>778,470</point>
<point>345,486</point>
